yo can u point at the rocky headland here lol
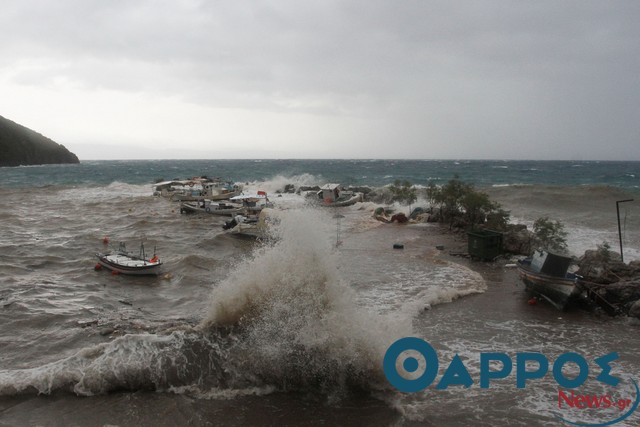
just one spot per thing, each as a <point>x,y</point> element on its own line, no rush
<point>21,146</point>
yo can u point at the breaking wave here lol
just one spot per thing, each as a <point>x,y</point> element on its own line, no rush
<point>283,320</point>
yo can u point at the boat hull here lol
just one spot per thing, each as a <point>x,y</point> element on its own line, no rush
<point>124,264</point>
<point>343,202</point>
<point>559,291</point>
<point>211,208</point>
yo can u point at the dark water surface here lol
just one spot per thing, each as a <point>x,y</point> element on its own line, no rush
<point>292,332</point>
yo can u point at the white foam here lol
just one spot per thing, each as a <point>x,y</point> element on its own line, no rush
<point>293,303</point>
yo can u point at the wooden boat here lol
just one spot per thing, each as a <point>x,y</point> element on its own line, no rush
<point>124,262</point>
<point>545,275</point>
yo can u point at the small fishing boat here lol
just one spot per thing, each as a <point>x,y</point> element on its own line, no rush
<point>196,189</point>
<point>252,226</point>
<point>253,204</point>
<point>332,195</point>
<point>545,275</point>
<point>245,204</point>
<point>215,190</point>
<point>210,207</point>
<point>125,262</point>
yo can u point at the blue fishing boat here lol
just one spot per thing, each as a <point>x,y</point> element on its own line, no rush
<point>545,275</point>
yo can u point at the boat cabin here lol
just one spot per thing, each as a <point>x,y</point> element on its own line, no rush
<point>550,264</point>
<point>329,193</point>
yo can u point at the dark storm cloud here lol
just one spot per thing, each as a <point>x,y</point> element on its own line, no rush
<point>448,79</point>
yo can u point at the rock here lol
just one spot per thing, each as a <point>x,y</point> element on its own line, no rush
<point>289,188</point>
<point>107,331</point>
<point>634,311</point>
<point>400,218</point>
<point>516,239</point>
<point>417,212</point>
<point>603,266</point>
<point>619,294</point>
<point>434,217</point>
<point>85,323</point>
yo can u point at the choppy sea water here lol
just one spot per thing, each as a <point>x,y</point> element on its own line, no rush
<point>290,332</point>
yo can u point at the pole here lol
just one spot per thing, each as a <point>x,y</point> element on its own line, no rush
<point>619,231</point>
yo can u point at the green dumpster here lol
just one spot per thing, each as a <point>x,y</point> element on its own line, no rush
<point>484,244</point>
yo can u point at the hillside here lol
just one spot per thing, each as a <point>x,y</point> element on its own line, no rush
<point>22,146</point>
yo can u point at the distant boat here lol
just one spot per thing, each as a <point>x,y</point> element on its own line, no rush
<point>197,189</point>
<point>545,275</point>
<point>124,262</point>
<point>332,195</point>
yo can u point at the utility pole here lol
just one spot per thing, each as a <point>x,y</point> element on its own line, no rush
<point>619,231</point>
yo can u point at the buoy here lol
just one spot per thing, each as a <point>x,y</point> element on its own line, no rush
<point>105,240</point>
<point>533,301</point>
<point>97,267</point>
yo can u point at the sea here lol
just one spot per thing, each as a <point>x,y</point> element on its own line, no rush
<point>293,330</point>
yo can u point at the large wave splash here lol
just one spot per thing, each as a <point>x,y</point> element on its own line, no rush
<point>283,320</point>
<point>299,321</point>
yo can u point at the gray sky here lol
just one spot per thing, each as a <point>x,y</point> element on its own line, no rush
<point>326,79</point>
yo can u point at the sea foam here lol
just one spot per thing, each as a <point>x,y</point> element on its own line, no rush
<point>283,320</point>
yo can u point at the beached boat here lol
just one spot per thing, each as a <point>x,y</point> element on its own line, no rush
<point>545,275</point>
<point>125,262</point>
<point>332,195</point>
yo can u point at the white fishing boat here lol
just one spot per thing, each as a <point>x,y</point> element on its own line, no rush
<point>246,204</point>
<point>253,226</point>
<point>196,189</point>
<point>124,262</point>
<point>178,186</point>
<point>253,203</point>
<point>208,190</point>
<point>332,195</point>
<point>225,208</point>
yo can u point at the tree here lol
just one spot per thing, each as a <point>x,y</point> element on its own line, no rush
<point>403,192</point>
<point>458,200</point>
<point>550,234</point>
<point>476,205</point>
<point>498,219</point>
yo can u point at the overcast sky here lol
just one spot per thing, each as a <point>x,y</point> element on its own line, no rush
<point>326,79</point>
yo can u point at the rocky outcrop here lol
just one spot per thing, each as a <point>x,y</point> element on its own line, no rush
<point>604,267</point>
<point>22,146</point>
<point>612,281</point>
<point>517,240</point>
<point>635,309</point>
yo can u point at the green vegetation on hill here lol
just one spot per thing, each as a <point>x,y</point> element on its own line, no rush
<point>22,146</point>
